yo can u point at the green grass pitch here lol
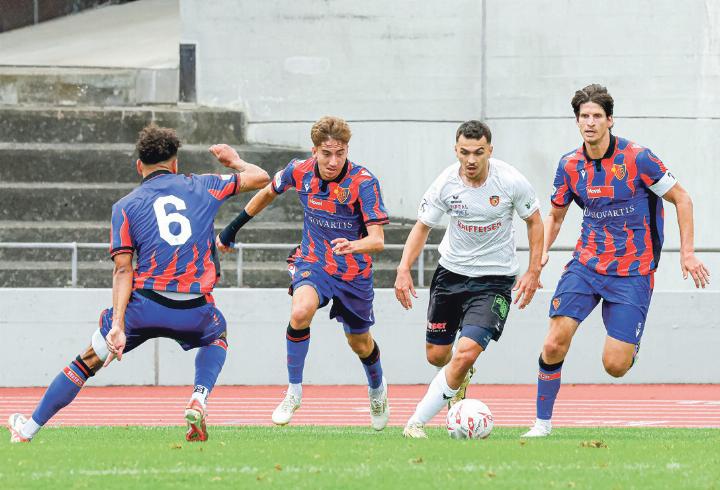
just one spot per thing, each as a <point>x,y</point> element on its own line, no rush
<point>297,457</point>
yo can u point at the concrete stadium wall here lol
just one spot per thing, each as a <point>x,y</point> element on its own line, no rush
<point>405,73</point>
<point>679,345</point>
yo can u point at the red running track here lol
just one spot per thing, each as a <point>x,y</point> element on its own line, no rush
<point>512,405</point>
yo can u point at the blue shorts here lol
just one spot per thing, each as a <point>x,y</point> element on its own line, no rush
<point>626,300</point>
<point>193,323</point>
<point>352,301</point>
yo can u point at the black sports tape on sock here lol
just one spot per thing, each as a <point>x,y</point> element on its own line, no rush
<point>373,357</point>
<point>549,367</point>
<point>297,335</point>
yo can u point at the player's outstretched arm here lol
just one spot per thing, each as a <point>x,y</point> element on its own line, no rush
<point>253,177</point>
<point>530,281</point>
<point>689,263</point>
<point>258,202</point>
<point>404,287</point>
<point>122,289</point>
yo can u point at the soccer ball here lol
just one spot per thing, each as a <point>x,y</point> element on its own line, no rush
<point>469,419</point>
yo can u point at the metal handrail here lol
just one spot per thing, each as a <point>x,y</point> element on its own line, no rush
<point>75,246</point>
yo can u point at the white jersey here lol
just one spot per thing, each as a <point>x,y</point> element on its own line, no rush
<point>480,239</point>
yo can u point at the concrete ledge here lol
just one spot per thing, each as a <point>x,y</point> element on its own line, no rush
<point>43,329</point>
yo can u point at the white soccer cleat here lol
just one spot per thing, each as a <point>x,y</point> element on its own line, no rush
<point>542,428</point>
<point>462,389</point>
<point>15,424</point>
<point>415,430</point>
<point>379,408</point>
<point>195,414</point>
<point>284,412</point>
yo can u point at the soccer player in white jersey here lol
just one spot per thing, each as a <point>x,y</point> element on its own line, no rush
<point>470,292</point>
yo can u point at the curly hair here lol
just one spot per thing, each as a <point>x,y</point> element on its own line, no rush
<point>330,127</point>
<point>593,93</point>
<point>156,144</point>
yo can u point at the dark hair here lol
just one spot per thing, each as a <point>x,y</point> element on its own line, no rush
<point>593,93</point>
<point>474,130</point>
<point>156,144</point>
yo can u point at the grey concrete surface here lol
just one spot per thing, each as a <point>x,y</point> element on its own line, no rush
<point>679,345</point>
<point>138,34</point>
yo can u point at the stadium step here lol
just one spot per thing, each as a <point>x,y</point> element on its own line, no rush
<point>79,86</point>
<point>196,125</point>
<point>98,274</point>
<point>98,232</point>
<point>104,162</point>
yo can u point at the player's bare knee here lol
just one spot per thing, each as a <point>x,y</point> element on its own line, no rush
<point>438,355</point>
<point>616,367</point>
<point>554,350</point>
<point>464,359</point>
<point>362,344</point>
<point>301,316</point>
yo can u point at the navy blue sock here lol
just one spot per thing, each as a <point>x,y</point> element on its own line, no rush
<point>298,342</point>
<point>208,363</point>
<point>63,390</point>
<point>373,367</point>
<point>548,388</point>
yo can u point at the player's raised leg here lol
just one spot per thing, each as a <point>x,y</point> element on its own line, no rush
<point>61,392</point>
<point>555,348</point>
<point>368,351</point>
<point>305,303</point>
<point>444,386</point>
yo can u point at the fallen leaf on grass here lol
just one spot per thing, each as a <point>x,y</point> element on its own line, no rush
<point>175,445</point>
<point>278,467</point>
<point>597,444</point>
<point>491,474</point>
<point>416,460</point>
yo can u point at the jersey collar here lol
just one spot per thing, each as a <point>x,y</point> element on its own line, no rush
<point>340,176</point>
<point>608,153</point>
<point>155,174</point>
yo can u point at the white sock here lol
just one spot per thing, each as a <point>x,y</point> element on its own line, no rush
<point>200,394</point>
<point>30,428</point>
<point>377,392</point>
<point>437,396</point>
<point>295,389</point>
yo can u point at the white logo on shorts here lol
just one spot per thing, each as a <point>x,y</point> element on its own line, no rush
<point>638,329</point>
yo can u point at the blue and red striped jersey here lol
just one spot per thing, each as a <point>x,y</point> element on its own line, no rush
<point>168,222</point>
<point>620,194</point>
<point>342,208</point>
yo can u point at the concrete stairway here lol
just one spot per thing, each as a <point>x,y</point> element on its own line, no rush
<point>62,168</point>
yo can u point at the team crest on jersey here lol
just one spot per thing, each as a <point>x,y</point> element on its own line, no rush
<point>305,274</point>
<point>556,303</point>
<point>618,171</point>
<point>342,194</point>
<point>494,200</point>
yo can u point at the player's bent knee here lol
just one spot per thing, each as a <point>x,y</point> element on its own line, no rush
<point>554,351</point>
<point>99,347</point>
<point>361,345</point>
<point>301,316</point>
<point>438,355</point>
<point>464,359</point>
<point>616,368</point>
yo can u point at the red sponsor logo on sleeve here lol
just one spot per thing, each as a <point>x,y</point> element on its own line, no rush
<point>596,191</point>
<point>321,204</point>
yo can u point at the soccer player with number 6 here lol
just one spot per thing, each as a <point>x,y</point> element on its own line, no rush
<point>168,222</point>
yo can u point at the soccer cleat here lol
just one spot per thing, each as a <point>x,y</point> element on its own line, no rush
<point>542,428</point>
<point>284,412</point>
<point>15,424</point>
<point>415,430</point>
<point>195,418</point>
<point>462,390</point>
<point>380,408</point>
